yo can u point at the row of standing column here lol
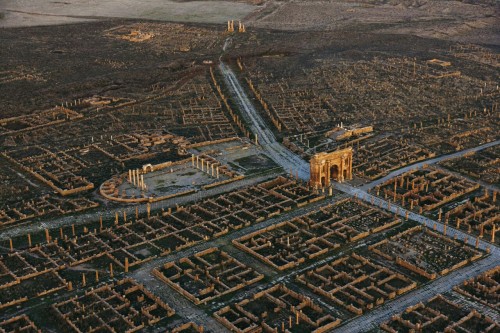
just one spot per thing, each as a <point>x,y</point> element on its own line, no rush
<point>137,179</point>
<point>211,169</point>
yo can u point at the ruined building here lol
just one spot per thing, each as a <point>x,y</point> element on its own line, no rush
<point>336,165</point>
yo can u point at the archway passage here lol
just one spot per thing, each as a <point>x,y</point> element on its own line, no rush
<point>334,172</point>
<point>147,168</point>
<point>328,167</point>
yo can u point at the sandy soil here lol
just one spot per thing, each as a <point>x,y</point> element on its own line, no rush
<point>17,13</point>
<point>16,19</point>
<point>453,20</point>
<point>450,20</point>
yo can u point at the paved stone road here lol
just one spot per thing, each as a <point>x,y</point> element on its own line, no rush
<point>109,213</point>
<point>430,161</point>
<point>280,154</point>
<point>379,315</point>
<point>290,161</point>
<point>181,305</point>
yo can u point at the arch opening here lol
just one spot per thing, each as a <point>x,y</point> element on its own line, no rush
<point>334,172</point>
<point>147,168</point>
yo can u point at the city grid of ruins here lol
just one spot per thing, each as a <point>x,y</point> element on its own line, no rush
<point>258,169</point>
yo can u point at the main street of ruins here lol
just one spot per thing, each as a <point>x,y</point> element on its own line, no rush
<point>290,161</point>
<point>236,178</point>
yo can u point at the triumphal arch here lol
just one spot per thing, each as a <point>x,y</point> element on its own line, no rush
<point>336,165</point>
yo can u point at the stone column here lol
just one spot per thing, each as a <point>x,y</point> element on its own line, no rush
<point>325,172</point>
<point>350,168</point>
<point>341,171</point>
